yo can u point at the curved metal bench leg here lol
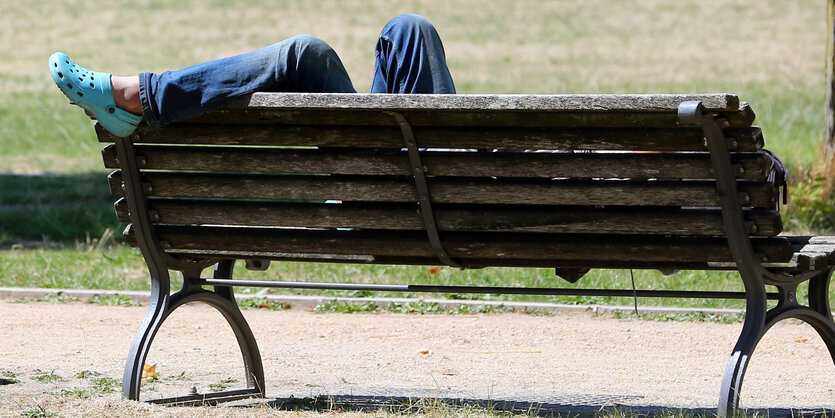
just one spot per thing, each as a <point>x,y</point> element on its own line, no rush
<point>752,330</point>
<point>222,299</point>
<point>158,310</point>
<point>243,333</point>
<point>817,314</point>
<point>819,302</point>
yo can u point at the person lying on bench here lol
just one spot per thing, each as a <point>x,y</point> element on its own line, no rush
<point>409,59</point>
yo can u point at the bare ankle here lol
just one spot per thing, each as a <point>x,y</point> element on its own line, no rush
<point>126,93</point>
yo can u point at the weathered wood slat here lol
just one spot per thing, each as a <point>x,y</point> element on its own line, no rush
<point>553,102</point>
<point>465,245</point>
<point>744,117</point>
<point>813,253</point>
<point>433,261</point>
<point>471,263</point>
<point>447,190</point>
<point>754,166</point>
<point>633,139</point>
<point>666,221</point>
<point>532,119</point>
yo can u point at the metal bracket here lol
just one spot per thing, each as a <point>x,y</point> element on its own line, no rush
<point>424,200</point>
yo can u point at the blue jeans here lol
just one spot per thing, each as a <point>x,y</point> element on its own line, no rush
<point>409,59</point>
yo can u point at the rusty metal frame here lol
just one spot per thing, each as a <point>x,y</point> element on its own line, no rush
<point>162,304</point>
<point>758,318</point>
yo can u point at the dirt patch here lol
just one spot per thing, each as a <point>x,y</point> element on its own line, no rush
<point>565,358</point>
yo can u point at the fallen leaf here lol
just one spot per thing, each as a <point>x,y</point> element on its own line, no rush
<point>149,371</point>
<point>801,340</point>
<point>424,351</point>
<point>433,271</point>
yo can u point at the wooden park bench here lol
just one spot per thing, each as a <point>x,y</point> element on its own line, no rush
<point>567,181</point>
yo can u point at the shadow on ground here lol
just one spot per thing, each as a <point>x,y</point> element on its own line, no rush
<point>55,208</point>
<point>573,406</point>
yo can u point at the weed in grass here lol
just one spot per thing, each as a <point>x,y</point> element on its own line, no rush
<point>177,377</point>
<point>222,385</point>
<point>418,307</point>
<point>86,374</point>
<point>8,373</point>
<point>262,303</point>
<point>56,298</point>
<point>812,205</point>
<point>336,306</point>
<point>113,300</point>
<point>38,412</point>
<point>536,312</point>
<point>46,377</point>
<point>97,386</point>
<point>356,293</point>
<point>463,309</point>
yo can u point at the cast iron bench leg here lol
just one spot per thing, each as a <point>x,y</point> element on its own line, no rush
<point>752,330</point>
<point>818,314</point>
<point>222,299</point>
<point>819,302</point>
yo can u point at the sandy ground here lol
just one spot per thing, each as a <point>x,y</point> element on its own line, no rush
<point>573,358</point>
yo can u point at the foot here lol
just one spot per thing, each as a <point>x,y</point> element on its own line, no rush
<point>92,91</point>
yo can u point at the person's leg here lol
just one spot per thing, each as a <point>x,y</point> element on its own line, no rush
<point>410,58</point>
<point>299,64</point>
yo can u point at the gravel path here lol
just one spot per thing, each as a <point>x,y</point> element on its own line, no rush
<point>574,358</point>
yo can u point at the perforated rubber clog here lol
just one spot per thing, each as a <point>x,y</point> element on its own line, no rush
<point>92,91</point>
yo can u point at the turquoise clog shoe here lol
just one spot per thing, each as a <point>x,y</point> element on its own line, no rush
<point>92,91</point>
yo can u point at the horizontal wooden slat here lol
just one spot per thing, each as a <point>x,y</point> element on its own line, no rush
<point>556,102</point>
<point>446,190</point>
<point>814,253</point>
<point>753,166</point>
<point>532,119</point>
<point>464,245</point>
<point>433,261</point>
<point>451,218</point>
<point>623,139</point>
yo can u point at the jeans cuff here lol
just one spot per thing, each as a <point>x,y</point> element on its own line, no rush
<point>150,114</point>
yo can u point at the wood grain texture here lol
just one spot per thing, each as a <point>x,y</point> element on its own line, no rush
<point>813,253</point>
<point>754,166</point>
<point>447,190</point>
<point>465,245</point>
<point>478,137</point>
<point>556,102</point>
<point>507,218</point>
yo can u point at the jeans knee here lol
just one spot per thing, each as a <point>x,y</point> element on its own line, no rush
<point>409,23</point>
<point>310,44</point>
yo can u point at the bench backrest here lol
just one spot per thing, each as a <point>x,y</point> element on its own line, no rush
<point>566,180</point>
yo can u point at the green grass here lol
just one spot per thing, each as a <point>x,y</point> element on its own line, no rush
<point>56,298</point>
<point>222,385</point>
<point>113,300</point>
<point>262,303</point>
<point>54,198</point>
<point>95,386</point>
<point>46,377</point>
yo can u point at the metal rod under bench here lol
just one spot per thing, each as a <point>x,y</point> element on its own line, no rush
<point>482,289</point>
